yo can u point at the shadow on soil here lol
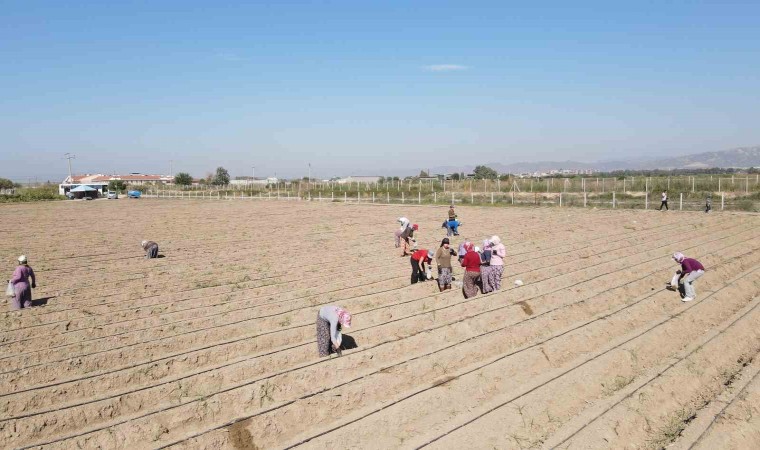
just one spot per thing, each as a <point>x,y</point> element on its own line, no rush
<point>348,343</point>
<point>41,301</point>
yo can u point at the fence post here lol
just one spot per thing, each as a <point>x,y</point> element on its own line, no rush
<point>560,199</point>
<point>692,183</point>
<point>402,197</point>
<point>472,198</point>
<point>646,201</point>
<point>419,197</point>
<point>492,198</point>
<point>388,197</point>
<point>613,197</point>
<point>345,197</point>
<point>584,199</point>
<point>513,197</point>
<point>680,203</point>
<point>358,197</point>
<point>452,197</point>
<point>722,200</point>
<point>435,197</point>
<point>373,196</point>
<point>719,190</point>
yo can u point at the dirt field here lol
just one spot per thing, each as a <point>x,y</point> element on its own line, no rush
<point>212,346</point>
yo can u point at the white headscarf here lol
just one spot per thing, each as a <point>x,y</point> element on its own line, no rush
<point>495,240</point>
<point>678,256</point>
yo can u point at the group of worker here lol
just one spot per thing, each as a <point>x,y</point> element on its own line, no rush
<point>484,269</point>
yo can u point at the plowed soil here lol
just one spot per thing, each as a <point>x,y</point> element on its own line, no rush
<point>212,345</point>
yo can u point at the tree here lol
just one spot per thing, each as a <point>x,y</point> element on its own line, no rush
<point>183,179</point>
<point>455,176</point>
<point>6,183</point>
<point>423,174</point>
<point>117,185</point>
<point>222,177</point>
<point>485,172</point>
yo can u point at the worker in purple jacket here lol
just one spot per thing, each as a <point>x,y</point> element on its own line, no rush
<point>691,269</point>
<point>21,285</point>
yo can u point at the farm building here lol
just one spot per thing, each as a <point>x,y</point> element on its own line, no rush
<point>100,181</point>
<point>359,179</point>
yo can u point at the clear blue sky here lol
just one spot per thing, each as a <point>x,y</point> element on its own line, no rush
<point>369,87</point>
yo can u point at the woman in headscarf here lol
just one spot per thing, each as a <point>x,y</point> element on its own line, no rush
<point>492,273</point>
<point>151,249</point>
<point>418,261</point>
<point>404,222</point>
<point>691,269</point>
<point>471,263</point>
<point>21,286</point>
<point>443,260</point>
<point>330,320</point>
<point>408,239</point>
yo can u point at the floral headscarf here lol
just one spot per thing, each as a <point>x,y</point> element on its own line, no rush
<point>344,317</point>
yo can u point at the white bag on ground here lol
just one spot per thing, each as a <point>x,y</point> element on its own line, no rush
<point>10,291</point>
<point>674,281</point>
<point>428,273</point>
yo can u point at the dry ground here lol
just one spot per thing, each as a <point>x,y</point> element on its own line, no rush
<point>213,346</point>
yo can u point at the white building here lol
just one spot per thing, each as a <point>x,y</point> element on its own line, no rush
<point>359,179</point>
<point>100,181</point>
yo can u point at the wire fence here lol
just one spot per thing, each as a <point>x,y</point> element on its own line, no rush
<point>682,201</point>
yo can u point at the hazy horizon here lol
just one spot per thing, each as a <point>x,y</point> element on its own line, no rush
<point>380,88</point>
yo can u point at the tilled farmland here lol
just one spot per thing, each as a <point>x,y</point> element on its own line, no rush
<point>213,344</point>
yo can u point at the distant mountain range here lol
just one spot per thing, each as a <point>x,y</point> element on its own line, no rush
<point>735,158</point>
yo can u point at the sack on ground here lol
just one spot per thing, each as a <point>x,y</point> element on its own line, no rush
<point>428,274</point>
<point>10,291</point>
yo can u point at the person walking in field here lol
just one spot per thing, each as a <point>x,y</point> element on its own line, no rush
<point>21,286</point>
<point>151,249</point>
<point>452,214</point>
<point>330,321</point>
<point>691,270</point>
<point>418,261</point>
<point>443,261</point>
<point>404,222</point>
<point>708,203</point>
<point>664,201</point>
<point>491,276</point>
<point>471,263</point>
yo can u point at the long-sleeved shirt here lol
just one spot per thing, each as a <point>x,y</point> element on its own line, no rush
<point>471,262</point>
<point>404,223</point>
<point>443,257</point>
<point>420,255</point>
<point>689,265</point>
<point>452,214</point>
<point>330,314</point>
<point>22,275</point>
<point>407,233</point>
<point>498,252</point>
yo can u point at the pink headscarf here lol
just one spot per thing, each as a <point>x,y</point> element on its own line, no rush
<point>344,317</point>
<point>678,256</point>
<point>468,247</point>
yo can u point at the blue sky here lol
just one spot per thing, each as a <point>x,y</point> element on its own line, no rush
<point>369,87</point>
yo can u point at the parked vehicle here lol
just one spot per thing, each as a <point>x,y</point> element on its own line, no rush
<point>134,194</point>
<point>112,195</point>
<point>70,196</point>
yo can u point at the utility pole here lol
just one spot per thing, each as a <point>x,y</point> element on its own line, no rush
<point>69,156</point>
